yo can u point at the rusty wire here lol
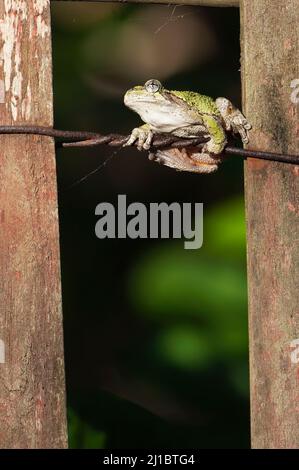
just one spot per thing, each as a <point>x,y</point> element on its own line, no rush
<point>91,139</point>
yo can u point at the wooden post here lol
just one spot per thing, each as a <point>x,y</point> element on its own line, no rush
<point>32,387</point>
<point>270,51</point>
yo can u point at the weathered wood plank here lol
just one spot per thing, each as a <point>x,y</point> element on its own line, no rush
<point>207,3</point>
<point>32,388</point>
<point>270,51</point>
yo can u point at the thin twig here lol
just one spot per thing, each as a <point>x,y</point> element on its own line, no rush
<point>90,139</point>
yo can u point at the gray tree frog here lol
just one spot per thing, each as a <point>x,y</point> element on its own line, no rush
<point>184,114</point>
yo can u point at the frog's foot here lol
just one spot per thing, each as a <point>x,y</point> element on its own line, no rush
<point>186,159</point>
<point>234,120</point>
<point>143,135</point>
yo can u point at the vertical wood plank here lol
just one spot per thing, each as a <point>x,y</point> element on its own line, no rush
<point>32,386</point>
<point>270,51</point>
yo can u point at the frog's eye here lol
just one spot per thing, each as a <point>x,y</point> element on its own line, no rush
<point>152,86</point>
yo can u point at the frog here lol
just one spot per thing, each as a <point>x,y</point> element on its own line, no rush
<point>184,114</point>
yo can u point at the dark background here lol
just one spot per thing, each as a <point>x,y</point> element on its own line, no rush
<point>155,335</point>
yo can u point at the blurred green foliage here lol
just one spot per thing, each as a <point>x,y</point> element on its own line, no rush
<point>82,435</point>
<point>198,298</point>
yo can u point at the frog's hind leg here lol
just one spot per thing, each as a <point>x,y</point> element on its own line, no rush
<point>186,159</point>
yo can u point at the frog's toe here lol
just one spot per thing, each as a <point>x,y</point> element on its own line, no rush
<point>241,126</point>
<point>158,157</point>
<point>244,136</point>
<point>148,141</point>
<point>142,139</point>
<point>133,137</point>
<point>152,156</point>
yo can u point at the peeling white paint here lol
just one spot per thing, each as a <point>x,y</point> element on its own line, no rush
<point>15,13</point>
<point>1,50</point>
<point>42,28</point>
<point>16,87</point>
<point>2,92</point>
<point>26,104</point>
<point>40,5</point>
<point>18,15</point>
<point>2,352</point>
<point>7,36</point>
<point>295,93</point>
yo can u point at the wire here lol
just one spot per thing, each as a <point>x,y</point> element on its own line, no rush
<point>90,139</point>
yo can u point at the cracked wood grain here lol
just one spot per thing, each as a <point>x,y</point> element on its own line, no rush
<point>270,51</point>
<point>32,385</point>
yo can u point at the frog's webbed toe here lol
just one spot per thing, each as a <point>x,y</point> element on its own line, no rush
<point>143,135</point>
<point>186,159</point>
<point>234,120</point>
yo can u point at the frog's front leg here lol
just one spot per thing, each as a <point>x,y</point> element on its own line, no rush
<point>233,119</point>
<point>143,135</point>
